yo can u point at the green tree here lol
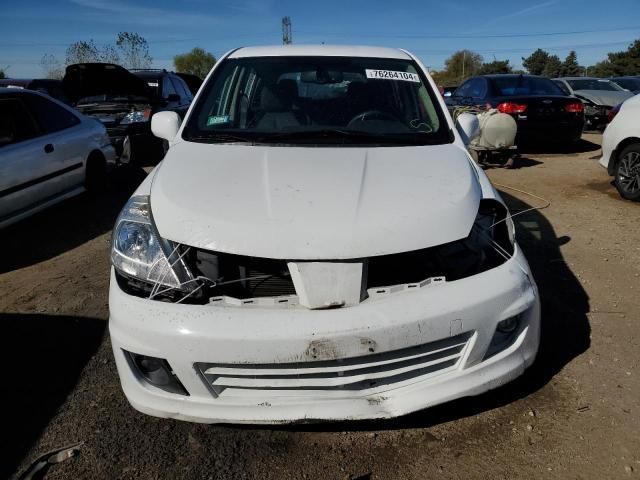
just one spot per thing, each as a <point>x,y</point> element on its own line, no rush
<point>553,67</point>
<point>536,62</point>
<point>619,63</point>
<point>570,66</point>
<point>458,67</point>
<point>133,50</point>
<point>197,62</point>
<point>497,66</point>
<point>2,74</point>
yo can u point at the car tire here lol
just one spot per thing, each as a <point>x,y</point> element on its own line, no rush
<point>627,173</point>
<point>96,173</point>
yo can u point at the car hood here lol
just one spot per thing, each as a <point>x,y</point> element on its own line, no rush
<point>602,97</point>
<point>314,203</point>
<point>91,79</point>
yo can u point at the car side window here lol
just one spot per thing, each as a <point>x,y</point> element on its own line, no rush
<point>182,89</point>
<point>477,88</point>
<point>16,123</point>
<point>563,87</point>
<point>167,87</point>
<point>463,90</point>
<point>50,116</point>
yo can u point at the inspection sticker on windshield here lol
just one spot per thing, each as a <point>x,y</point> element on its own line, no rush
<point>217,120</point>
<point>391,75</point>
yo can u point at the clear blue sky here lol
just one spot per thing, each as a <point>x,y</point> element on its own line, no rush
<point>432,30</point>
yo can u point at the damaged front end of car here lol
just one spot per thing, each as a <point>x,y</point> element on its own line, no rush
<point>151,267</point>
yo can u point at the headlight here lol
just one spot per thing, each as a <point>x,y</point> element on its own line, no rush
<point>137,249</point>
<point>136,117</point>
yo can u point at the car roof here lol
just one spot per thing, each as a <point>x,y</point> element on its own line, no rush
<point>149,73</point>
<point>319,51</point>
<point>510,75</point>
<point>13,90</point>
<point>582,78</point>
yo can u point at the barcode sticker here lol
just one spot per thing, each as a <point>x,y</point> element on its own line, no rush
<point>392,75</point>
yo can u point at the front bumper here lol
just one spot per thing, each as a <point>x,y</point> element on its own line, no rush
<point>237,338</point>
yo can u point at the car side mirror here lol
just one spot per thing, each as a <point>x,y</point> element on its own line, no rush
<point>468,127</point>
<point>165,125</point>
<point>173,97</point>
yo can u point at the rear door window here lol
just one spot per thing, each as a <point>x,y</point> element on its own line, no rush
<point>16,123</point>
<point>182,89</point>
<point>50,116</point>
<point>167,87</point>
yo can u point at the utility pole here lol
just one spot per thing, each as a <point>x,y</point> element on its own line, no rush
<point>464,60</point>
<point>287,38</point>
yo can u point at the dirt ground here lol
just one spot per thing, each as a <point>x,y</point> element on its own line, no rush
<point>574,415</point>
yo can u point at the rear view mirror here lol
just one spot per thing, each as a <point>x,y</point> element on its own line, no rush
<point>165,125</point>
<point>322,76</point>
<point>468,127</point>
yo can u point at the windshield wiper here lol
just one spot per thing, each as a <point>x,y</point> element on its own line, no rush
<point>219,138</point>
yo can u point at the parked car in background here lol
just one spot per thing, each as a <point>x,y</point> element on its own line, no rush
<point>193,82</point>
<point>317,244</point>
<point>48,86</point>
<point>48,152</point>
<point>448,91</point>
<point>124,102</point>
<point>168,86</point>
<point>541,110</point>
<point>628,83</point>
<point>599,96</point>
<point>621,148</point>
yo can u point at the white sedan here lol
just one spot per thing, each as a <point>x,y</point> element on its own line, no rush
<point>316,245</point>
<point>621,148</point>
<point>48,152</point>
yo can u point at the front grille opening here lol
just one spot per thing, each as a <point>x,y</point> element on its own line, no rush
<point>487,246</point>
<point>241,276</point>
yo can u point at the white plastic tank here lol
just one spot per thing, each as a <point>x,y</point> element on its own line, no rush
<point>497,130</point>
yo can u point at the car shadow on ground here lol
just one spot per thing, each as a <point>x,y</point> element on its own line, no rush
<point>43,357</point>
<point>565,330</point>
<point>516,163</point>
<point>66,225</point>
<point>581,146</point>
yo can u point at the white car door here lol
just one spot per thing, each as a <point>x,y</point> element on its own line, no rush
<point>36,165</point>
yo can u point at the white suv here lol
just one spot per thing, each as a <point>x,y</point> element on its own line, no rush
<point>316,245</point>
<point>621,148</point>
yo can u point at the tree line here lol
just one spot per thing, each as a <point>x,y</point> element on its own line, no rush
<point>467,63</point>
<point>130,50</point>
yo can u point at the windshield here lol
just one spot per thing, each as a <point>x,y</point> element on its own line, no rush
<point>298,100</point>
<point>521,85</point>
<point>632,84</point>
<point>111,97</point>
<point>594,84</point>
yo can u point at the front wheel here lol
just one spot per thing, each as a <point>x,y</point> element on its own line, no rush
<point>627,173</point>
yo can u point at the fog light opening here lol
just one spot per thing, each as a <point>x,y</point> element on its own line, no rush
<point>156,372</point>
<point>504,335</point>
<point>509,325</point>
